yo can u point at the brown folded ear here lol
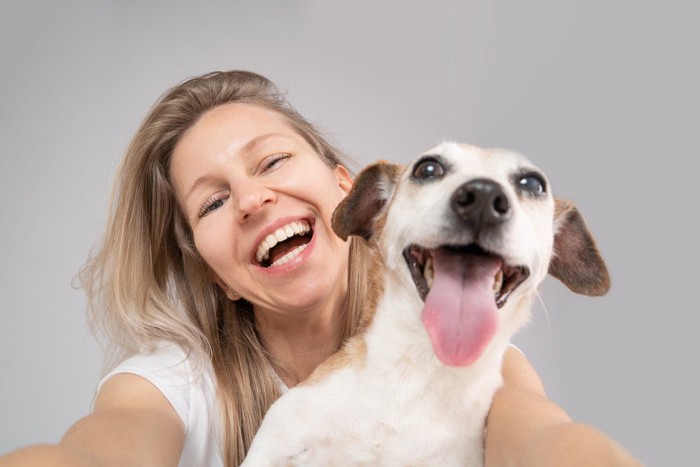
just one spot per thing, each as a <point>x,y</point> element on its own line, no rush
<point>576,261</point>
<point>370,192</point>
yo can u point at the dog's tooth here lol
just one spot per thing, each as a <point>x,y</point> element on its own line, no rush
<point>498,281</point>
<point>429,272</point>
<point>289,231</point>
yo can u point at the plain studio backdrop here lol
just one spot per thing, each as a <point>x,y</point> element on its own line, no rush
<point>602,95</point>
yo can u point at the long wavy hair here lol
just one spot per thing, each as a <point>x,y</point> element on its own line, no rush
<point>147,283</point>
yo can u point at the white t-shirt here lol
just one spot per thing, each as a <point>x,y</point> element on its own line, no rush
<point>191,392</point>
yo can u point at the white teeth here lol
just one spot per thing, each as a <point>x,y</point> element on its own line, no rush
<point>429,272</point>
<point>289,256</point>
<point>280,235</point>
<point>498,282</point>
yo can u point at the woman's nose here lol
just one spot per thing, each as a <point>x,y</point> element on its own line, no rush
<point>251,197</point>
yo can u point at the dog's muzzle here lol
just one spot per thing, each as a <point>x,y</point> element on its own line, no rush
<point>481,208</point>
<point>463,286</point>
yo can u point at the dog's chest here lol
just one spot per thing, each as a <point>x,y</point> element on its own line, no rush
<point>390,421</point>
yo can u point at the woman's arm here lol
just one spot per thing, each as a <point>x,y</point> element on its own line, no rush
<point>132,424</point>
<point>526,429</point>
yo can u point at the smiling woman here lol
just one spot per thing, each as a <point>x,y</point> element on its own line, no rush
<point>221,171</point>
<point>220,283</point>
<point>238,160</point>
<point>240,175</point>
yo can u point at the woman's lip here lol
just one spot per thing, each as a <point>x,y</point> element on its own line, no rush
<point>272,227</point>
<point>291,264</point>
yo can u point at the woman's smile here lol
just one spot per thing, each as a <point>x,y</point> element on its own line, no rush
<point>259,201</point>
<point>286,239</point>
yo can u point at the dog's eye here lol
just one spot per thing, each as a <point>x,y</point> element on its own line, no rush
<point>532,183</point>
<point>429,168</point>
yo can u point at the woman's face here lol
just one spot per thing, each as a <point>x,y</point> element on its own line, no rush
<point>259,201</point>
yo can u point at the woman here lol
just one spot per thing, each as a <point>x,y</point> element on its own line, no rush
<point>221,276</point>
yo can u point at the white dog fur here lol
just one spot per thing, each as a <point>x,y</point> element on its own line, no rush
<point>414,388</point>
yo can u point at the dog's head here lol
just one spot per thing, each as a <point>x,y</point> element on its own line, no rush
<point>472,232</point>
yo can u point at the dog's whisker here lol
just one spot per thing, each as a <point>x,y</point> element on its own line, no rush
<point>544,308</point>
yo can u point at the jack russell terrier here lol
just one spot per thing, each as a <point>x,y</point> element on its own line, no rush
<point>460,240</point>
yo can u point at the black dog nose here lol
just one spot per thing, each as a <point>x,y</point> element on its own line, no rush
<point>481,203</point>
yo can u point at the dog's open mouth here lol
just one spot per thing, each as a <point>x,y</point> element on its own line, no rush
<point>421,263</point>
<point>462,288</point>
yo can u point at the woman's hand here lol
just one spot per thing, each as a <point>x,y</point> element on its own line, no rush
<point>526,429</point>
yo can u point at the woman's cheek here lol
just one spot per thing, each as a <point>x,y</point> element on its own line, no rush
<point>205,243</point>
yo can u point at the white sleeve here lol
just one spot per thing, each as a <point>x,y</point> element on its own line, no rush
<point>191,390</point>
<point>168,369</point>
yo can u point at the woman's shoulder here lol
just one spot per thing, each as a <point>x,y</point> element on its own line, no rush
<point>184,377</point>
<point>186,380</point>
<point>164,359</point>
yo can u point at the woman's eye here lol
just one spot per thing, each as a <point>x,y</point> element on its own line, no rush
<point>211,205</point>
<point>532,183</point>
<point>429,168</point>
<point>273,162</point>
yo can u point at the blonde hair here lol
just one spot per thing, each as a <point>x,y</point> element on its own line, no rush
<point>147,283</point>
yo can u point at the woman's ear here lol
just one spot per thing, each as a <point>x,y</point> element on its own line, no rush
<point>230,293</point>
<point>344,178</point>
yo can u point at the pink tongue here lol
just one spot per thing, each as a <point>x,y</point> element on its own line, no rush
<point>460,311</point>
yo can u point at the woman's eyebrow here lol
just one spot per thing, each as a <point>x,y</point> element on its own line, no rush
<point>251,145</point>
<point>201,180</point>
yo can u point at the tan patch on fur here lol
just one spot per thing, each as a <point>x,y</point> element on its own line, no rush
<point>354,352</point>
<point>375,275</point>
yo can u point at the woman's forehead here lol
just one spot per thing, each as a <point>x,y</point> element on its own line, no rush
<point>232,129</point>
<point>242,118</point>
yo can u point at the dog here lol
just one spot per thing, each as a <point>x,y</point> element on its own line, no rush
<point>460,240</point>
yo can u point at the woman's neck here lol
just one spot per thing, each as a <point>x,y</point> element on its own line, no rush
<point>301,341</point>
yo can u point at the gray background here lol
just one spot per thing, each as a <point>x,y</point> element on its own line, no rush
<point>601,94</point>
